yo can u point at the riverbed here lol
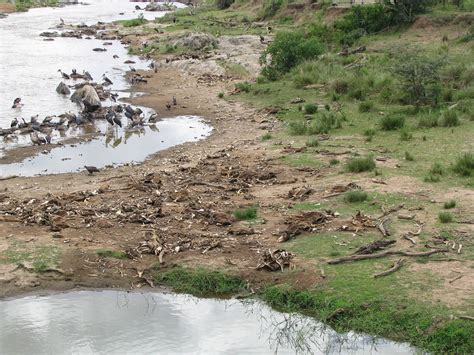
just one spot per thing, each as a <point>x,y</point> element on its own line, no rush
<point>119,322</point>
<point>29,69</point>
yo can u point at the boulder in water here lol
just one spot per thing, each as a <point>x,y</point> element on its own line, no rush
<point>63,89</point>
<point>88,96</point>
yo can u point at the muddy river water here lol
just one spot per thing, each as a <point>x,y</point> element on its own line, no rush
<point>118,322</point>
<point>29,69</point>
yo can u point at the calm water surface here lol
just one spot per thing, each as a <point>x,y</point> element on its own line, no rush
<point>29,69</point>
<point>117,322</point>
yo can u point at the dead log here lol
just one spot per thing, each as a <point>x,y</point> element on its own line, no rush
<point>381,255</point>
<point>381,226</point>
<point>397,265</point>
<point>373,247</point>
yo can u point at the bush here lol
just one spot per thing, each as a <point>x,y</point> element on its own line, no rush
<point>340,86</point>
<point>464,165</point>
<point>310,108</point>
<point>436,169</point>
<point>270,8</point>
<point>266,137</point>
<point>369,134</point>
<point>392,122</point>
<point>366,106</point>
<point>245,214</point>
<point>405,135</point>
<point>450,119</point>
<point>355,196</point>
<point>365,19</point>
<point>243,87</point>
<point>358,165</point>
<point>409,157</point>
<point>287,50</point>
<point>298,127</point>
<point>404,11</point>
<point>324,122</point>
<point>445,217</point>
<point>449,204</point>
<point>420,76</point>
<point>220,95</point>
<point>140,20</point>
<point>428,121</point>
<point>224,4</point>
<point>312,143</point>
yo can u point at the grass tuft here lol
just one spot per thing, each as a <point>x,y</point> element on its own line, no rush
<point>392,122</point>
<point>111,254</point>
<point>245,214</point>
<point>266,137</point>
<point>409,157</point>
<point>355,196</point>
<point>200,282</point>
<point>359,165</point>
<point>449,204</point>
<point>310,109</point>
<point>464,165</point>
<point>450,119</point>
<point>445,217</point>
<point>313,142</point>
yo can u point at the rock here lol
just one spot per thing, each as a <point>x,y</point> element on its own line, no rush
<point>49,34</point>
<point>2,15</point>
<point>197,41</point>
<point>88,96</point>
<point>63,89</point>
<point>159,7</point>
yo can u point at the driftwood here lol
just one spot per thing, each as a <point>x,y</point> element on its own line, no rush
<point>381,255</point>
<point>381,226</point>
<point>373,247</point>
<point>409,239</point>
<point>397,265</point>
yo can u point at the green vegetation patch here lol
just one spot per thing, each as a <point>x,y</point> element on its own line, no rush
<point>105,253</point>
<point>41,257</point>
<point>200,281</point>
<point>245,214</point>
<point>361,164</point>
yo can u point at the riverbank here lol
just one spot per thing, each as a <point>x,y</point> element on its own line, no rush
<point>252,186</point>
<point>23,5</point>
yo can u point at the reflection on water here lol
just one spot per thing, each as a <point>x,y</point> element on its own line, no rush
<point>115,146</point>
<point>111,322</point>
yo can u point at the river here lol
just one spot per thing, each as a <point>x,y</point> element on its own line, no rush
<point>119,322</point>
<point>29,69</point>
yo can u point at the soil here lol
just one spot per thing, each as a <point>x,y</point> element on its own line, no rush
<point>177,207</point>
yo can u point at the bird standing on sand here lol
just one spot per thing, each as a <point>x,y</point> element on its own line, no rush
<point>132,69</point>
<point>87,75</point>
<point>168,106</point>
<point>107,80</point>
<point>14,123</point>
<point>48,138</point>
<point>34,138</point>
<point>175,102</point>
<point>17,103</point>
<point>91,169</point>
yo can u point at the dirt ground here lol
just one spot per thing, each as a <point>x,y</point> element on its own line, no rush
<point>177,207</point>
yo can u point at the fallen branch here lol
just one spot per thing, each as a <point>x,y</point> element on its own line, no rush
<point>466,317</point>
<point>384,254</point>
<point>381,227</point>
<point>397,265</point>
<point>409,239</point>
<point>456,278</point>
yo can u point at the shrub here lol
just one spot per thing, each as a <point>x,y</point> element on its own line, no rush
<point>449,204</point>
<point>340,86</point>
<point>369,134</point>
<point>358,165</point>
<point>270,8</point>
<point>450,119</point>
<point>310,108</point>
<point>436,169</point>
<point>243,87</point>
<point>445,217</point>
<point>287,50</point>
<point>266,137</point>
<point>297,127</point>
<point>245,214</point>
<point>224,4</point>
<point>313,142</point>
<point>420,76</point>
<point>404,11</point>
<point>355,196</point>
<point>366,106</point>
<point>365,19</point>
<point>324,122</point>
<point>432,178</point>
<point>220,95</point>
<point>428,121</point>
<point>392,122</point>
<point>333,162</point>
<point>464,165</point>
<point>409,157</point>
<point>140,20</point>
<point>405,135</point>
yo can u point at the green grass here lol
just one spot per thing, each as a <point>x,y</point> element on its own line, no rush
<point>449,204</point>
<point>355,196</point>
<point>359,165</point>
<point>245,214</point>
<point>445,217</point>
<point>409,157</point>
<point>313,142</point>
<point>392,122</point>
<point>200,282</point>
<point>111,254</point>
<point>450,119</point>
<point>464,165</point>
<point>266,137</point>
<point>41,257</point>
<point>133,22</point>
<point>310,109</point>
